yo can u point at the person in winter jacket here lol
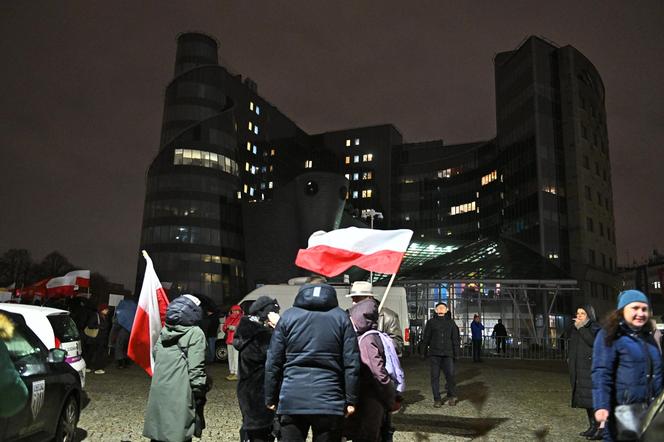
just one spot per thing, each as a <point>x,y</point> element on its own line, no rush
<point>441,341</point>
<point>14,391</point>
<point>581,340</point>
<point>476,329</point>
<point>211,328</point>
<point>94,347</point>
<point>627,365</point>
<point>123,320</point>
<point>179,383</point>
<point>229,327</point>
<point>388,320</point>
<point>377,391</point>
<point>312,367</point>
<point>251,340</point>
<point>500,334</point>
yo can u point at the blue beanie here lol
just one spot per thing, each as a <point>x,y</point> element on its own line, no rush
<point>629,296</point>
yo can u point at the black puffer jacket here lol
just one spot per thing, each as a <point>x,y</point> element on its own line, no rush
<point>580,363</point>
<point>441,336</point>
<point>313,362</point>
<point>252,339</point>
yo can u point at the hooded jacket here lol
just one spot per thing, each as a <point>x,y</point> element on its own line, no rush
<point>441,336</point>
<point>581,343</point>
<point>231,323</point>
<point>620,371</point>
<point>388,322</point>
<point>313,361</point>
<point>179,374</point>
<point>252,338</point>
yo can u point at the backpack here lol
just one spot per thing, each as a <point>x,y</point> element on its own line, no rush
<point>392,363</point>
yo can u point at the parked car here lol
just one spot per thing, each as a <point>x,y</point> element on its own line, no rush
<point>54,402</point>
<point>56,329</point>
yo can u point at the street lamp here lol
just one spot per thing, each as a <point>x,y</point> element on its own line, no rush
<point>371,213</point>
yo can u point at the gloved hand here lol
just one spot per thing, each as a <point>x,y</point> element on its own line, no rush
<point>199,397</point>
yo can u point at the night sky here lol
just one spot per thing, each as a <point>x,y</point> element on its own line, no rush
<point>83,82</point>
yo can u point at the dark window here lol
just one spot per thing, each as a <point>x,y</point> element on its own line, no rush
<point>584,131</point>
<point>606,203</point>
<point>601,229</point>
<point>589,194</point>
<point>610,263</point>
<point>589,224</point>
<point>591,256</point>
<point>604,174</point>
<point>597,168</point>
<point>64,328</point>
<point>586,162</point>
<point>599,198</point>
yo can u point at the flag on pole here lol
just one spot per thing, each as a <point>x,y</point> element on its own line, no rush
<point>66,285</point>
<point>330,253</point>
<point>149,319</point>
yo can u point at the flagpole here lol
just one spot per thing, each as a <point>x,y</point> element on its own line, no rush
<point>389,285</point>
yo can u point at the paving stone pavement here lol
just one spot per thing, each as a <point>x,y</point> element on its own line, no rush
<point>500,400</point>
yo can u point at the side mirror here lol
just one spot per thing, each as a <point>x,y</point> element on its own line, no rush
<point>56,355</point>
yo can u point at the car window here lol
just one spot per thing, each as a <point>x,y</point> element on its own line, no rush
<point>21,349</point>
<point>64,328</point>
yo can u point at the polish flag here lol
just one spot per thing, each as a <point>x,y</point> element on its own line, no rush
<point>330,253</point>
<point>66,285</point>
<point>149,319</point>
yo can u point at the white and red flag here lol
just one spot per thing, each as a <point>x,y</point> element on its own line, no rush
<point>66,285</point>
<point>150,317</point>
<point>330,253</point>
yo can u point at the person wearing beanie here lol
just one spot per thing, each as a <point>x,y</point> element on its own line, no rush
<point>624,350</point>
<point>251,340</point>
<point>230,325</point>
<point>312,367</point>
<point>179,383</point>
<point>581,339</point>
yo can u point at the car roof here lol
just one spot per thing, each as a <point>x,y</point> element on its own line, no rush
<point>36,318</point>
<point>32,309</point>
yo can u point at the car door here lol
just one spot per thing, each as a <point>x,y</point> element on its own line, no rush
<point>40,413</point>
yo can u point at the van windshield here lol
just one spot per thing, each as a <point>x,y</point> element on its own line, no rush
<point>64,328</point>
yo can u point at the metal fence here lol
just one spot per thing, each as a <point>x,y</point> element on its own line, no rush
<point>513,348</point>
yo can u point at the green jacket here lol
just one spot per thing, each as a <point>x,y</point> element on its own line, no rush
<point>14,392</point>
<point>179,368</point>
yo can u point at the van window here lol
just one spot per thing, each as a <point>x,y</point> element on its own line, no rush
<point>64,328</point>
<point>21,349</point>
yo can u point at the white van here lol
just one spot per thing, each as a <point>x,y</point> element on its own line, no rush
<point>56,329</point>
<point>285,295</point>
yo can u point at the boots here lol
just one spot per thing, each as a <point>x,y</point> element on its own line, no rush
<point>589,432</point>
<point>597,435</point>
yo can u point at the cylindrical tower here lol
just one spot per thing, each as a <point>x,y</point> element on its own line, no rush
<point>191,221</point>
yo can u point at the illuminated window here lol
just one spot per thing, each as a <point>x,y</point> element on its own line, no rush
<point>253,170</point>
<point>308,164</point>
<point>256,129</point>
<point>251,191</point>
<point>356,159</point>
<point>357,141</point>
<point>273,152</point>
<point>367,157</point>
<point>355,194</point>
<point>348,142</point>
<point>347,176</point>
<point>251,105</point>
<point>246,167</point>
<point>463,208</point>
<point>255,150</point>
<point>258,110</point>
<point>270,185</point>
<point>369,193</point>
<point>248,145</point>
<point>239,195</point>
<point>212,160</point>
<point>366,175</point>
<point>445,173</point>
<point>251,126</point>
<point>486,179</point>
<point>356,176</point>
<point>246,188</point>
<point>364,194</point>
<point>347,160</point>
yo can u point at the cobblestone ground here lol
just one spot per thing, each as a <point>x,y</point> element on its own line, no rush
<point>500,400</point>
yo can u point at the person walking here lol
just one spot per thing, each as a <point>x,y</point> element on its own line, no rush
<point>179,383</point>
<point>251,340</point>
<point>441,342</point>
<point>312,367</point>
<point>230,324</point>
<point>581,340</point>
<point>388,320</point>
<point>500,334</point>
<point>476,329</point>
<point>377,392</point>
<point>627,365</point>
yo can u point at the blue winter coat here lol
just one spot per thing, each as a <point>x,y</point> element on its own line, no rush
<point>620,370</point>
<point>313,362</point>
<point>476,328</point>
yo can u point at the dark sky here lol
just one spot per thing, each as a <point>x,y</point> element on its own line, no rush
<point>82,96</point>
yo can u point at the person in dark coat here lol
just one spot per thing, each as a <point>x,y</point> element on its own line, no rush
<point>251,340</point>
<point>441,341</point>
<point>627,365</point>
<point>94,347</point>
<point>123,321</point>
<point>312,367</point>
<point>581,339</point>
<point>476,328</point>
<point>377,391</point>
<point>500,334</point>
<point>211,329</point>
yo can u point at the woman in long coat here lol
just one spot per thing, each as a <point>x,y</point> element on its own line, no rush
<point>179,381</point>
<point>581,339</point>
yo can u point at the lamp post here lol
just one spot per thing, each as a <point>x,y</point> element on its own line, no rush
<point>371,213</point>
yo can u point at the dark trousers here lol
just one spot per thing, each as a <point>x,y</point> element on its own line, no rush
<point>446,363</point>
<point>500,343</point>
<point>261,435</point>
<point>121,343</point>
<point>477,350</point>
<point>326,428</point>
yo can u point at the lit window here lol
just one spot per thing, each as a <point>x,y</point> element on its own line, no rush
<point>308,164</point>
<point>364,194</point>
<point>347,142</point>
<point>347,160</point>
<point>357,141</point>
<point>258,110</point>
<point>369,192</point>
<point>246,188</point>
<point>246,167</point>
<point>251,105</point>
<point>355,194</point>
<point>273,152</point>
<point>255,150</point>
<point>356,159</point>
<point>253,170</point>
<point>251,125</point>
<point>486,179</point>
<point>256,129</point>
<point>212,160</point>
<point>463,208</point>
<point>407,218</point>
<point>356,176</point>
<point>445,173</point>
<point>248,145</point>
<point>367,157</point>
<point>347,176</point>
<point>251,191</point>
<point>366,175</point>
<point>239,195</point>
<point>270,185</point>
